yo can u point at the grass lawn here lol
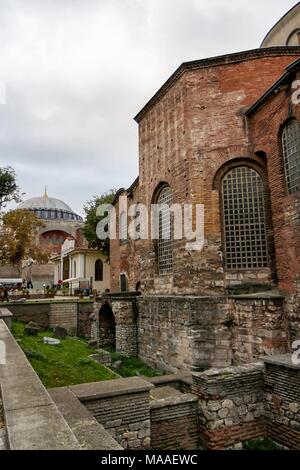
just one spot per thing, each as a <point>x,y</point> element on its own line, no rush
<point>62,365</point>
<point>261,444</point>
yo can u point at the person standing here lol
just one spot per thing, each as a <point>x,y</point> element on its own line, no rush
<point>5,297</point>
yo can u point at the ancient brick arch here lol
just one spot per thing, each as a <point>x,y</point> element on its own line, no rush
<point>119,311</point>
<point>107,325</point>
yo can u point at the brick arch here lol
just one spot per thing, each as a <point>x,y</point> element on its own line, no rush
<point>159,187</point>
<point>50,236</point>
<point>257,162</point>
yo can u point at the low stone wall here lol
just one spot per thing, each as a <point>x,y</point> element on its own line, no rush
<point>124,306</point>
<point>186,333</point>
<point>32,420</point>
<point>231,406</point>
<point>73,315</point>
<point>292,312</point>
<point>85,310</point>
<point>39,312</point>
<point>174,420</point>
<point>65,316</point>
<point>122,407</point>
<point>282,403</point>
<point>90,434</point>
<point>182,383</point>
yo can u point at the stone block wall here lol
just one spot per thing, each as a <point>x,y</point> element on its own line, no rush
<point>259,327</point>
<point>122,407</point>
<point>72,315</point>
<point>185,333</point>
<point>37,312</point>
<point>85,310</point>
<point>292,313</point>
<point>125,312</point>
<point>231,406</point>
<point>64,315</point>
<point>181,333</point>
<point>126,340</point>
<point>174,423</point>
<point>282,401</point>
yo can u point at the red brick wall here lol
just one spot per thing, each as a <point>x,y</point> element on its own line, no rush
<point>265,130</point>
<point>197,126</point>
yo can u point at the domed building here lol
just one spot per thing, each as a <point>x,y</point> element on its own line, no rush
<point>60,221</point>
<point>286,32</point>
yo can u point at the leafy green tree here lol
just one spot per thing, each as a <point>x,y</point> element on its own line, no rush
<point>91,220</point>
<point>19,232</point>
<point>9,190</point>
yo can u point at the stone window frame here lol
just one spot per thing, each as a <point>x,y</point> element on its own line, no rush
<point>258,163</point>
<point>285,158</point>
<point>98,270</point>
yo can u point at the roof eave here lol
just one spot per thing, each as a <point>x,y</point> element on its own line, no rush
<point>213,62</point>
<point>290,70</point>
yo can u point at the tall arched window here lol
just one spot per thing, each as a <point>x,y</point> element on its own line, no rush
<point>98,270</point>
<point>165,245</point>
<point>291,155</point>
<point>245,243</point>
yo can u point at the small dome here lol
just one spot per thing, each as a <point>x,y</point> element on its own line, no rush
<point>46,207</point>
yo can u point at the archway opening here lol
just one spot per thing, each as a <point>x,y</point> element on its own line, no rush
<point>107,326</point>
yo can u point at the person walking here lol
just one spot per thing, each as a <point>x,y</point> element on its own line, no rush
<point>5,297</point>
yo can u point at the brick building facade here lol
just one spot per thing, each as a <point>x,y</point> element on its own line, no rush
<point>224,133</point>
<point>195,136</point>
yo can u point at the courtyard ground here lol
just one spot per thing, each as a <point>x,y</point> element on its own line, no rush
<point>62,365</point>
<point>131,366</point>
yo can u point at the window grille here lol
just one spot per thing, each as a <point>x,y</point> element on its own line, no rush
<point>244,219</point>
<point>165,245</point>
<point>291,155</point>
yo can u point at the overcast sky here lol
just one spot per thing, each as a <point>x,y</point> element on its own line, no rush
<point>78,71</point>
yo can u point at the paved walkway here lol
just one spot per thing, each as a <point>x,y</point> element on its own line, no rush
<point>3,442</point>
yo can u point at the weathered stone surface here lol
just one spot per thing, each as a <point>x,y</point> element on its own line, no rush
<point>31,330</point>
<point>60,332</point>
<point>102,357</point>
<point>33,422</point>
<point>90,434</point>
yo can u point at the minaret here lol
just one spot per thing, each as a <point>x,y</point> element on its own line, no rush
<point>46,194</point>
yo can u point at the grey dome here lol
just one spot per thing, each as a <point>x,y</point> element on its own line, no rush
<point>50,208</point>
<point>45,202</point>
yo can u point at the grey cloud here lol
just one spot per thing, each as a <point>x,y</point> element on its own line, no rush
<point>77,72</point>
